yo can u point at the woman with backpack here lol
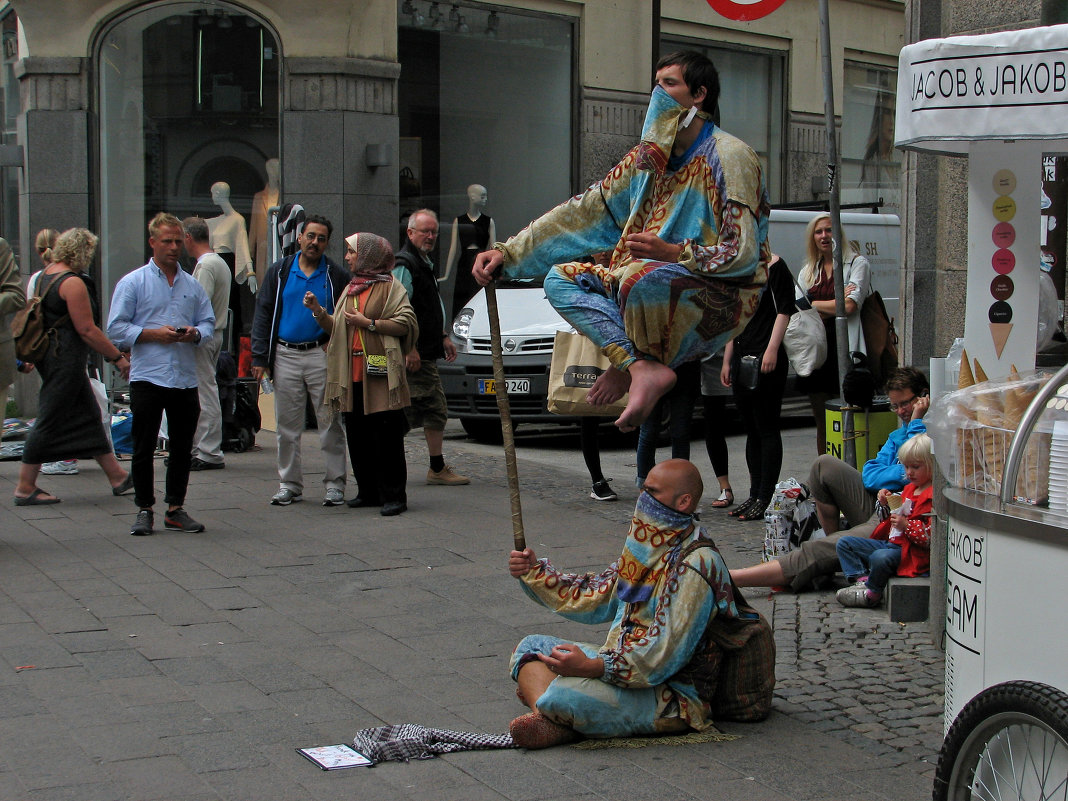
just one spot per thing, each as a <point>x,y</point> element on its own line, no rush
<point>817,280</point>
<point>68,422</point>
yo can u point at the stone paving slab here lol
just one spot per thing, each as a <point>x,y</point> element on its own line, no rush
<point>185,666</point>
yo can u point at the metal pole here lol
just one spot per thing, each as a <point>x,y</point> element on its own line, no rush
<point>845,363</point>
<point>655,27</point>
<point>500,385</point>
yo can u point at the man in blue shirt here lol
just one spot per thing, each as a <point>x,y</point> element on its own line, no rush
<point>161,314</point>
<point>290,346</point>
<point>839,489</point>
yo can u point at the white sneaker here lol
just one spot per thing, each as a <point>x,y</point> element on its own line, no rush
<point>285,496</point>
<point>334,497</point>
<point>68,467</point>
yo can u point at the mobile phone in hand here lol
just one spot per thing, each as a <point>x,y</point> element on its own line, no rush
<point>181,330</point>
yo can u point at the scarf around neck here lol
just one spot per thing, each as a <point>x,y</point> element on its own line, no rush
<point>660,129</point>
<point>655,533</point>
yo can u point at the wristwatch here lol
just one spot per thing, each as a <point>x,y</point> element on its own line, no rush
<point>198,336</point>
<point>372,326</point>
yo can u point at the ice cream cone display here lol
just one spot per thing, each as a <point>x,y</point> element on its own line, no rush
<point>966,379</point>
<point>986,415</point>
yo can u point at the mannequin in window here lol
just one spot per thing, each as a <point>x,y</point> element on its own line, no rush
<point>229,240</point>
<point>228,233</point>
<point>472,233</point>
<point>262,202</point>
<point>880,168</point>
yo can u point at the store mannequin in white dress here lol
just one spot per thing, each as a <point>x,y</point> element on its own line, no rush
<point>228,234</point>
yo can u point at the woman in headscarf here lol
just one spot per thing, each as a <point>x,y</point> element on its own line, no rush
<point>365,379</point>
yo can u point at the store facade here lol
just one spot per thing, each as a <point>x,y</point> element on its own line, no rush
<point>365,111</point>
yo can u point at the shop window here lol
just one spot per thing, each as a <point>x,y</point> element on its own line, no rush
<point>870,164</point>
<point>188,97</point>
<point>750,101</point>
<point>485,97</point>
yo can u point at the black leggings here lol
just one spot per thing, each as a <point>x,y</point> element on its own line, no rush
<point>716,432</point>
<point>591,451</point>
<point>761,410</point>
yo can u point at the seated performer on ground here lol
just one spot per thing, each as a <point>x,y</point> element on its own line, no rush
<point>685,214</point>
<point>839,489</point>
<point>660,605</point>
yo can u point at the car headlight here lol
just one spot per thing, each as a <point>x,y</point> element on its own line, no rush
<point>461,324</point>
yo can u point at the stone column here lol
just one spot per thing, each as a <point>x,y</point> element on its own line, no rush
<point>53,129</point>
<point>333,108</point>
<point>54,186</point>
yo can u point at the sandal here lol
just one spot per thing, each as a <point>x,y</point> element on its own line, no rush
<point>743,508</point>
<point>725,499</point>
<point>756,511</point>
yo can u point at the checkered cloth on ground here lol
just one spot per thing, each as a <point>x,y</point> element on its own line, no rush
<point>408,741</point>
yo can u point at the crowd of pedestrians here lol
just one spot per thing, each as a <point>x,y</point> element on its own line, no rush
<point>359,344</point>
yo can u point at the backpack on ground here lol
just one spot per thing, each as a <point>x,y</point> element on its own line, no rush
<point>33,340</point>
<point>733,667</point>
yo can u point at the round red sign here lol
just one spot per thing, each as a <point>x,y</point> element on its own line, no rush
<point>744,10</point>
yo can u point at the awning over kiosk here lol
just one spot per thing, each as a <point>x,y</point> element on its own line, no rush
<point>1008,85</point>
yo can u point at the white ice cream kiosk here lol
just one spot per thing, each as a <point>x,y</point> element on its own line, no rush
<point>1001,100</point>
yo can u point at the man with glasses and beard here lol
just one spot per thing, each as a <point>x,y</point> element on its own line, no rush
<point>839,489</point>
<point>289,344</point>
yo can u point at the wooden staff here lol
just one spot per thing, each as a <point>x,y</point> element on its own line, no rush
<point>505,409</point>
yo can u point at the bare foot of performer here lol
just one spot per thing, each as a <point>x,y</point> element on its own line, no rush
<point>610,386</point>
<point>649,382</point>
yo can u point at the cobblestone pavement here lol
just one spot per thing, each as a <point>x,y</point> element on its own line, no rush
<point>189,667</point>
<point>851,673</point>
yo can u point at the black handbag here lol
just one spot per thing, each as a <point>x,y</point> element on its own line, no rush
<point>409,184</point>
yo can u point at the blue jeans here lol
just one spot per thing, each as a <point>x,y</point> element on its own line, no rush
<point>876,558</point>
<point>681,400</point>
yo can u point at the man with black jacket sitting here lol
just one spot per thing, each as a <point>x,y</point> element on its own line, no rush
<point>415,271</point>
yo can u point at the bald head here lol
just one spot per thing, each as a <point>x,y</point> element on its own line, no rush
<point>676,483</point>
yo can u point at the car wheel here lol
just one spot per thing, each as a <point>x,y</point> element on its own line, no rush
<point>483,430</point>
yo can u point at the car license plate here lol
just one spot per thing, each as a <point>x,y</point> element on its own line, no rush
<point>516,386</point>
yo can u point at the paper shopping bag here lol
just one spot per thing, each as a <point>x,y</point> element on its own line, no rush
<point>576,364</point>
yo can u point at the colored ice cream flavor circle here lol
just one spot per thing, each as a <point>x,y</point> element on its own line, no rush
<point>1004,182</point>
<point>1000,312</point>
<point>1001,288</point>
<point>1004,235</point>
<point>1003,261</point>
<point>1004,209</point>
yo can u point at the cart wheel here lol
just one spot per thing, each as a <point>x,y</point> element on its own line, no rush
<point>1010,741</point>
<point>244,440</point>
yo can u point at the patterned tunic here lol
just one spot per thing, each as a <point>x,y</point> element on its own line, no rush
<point>653,636</point>
<point>713,202</point>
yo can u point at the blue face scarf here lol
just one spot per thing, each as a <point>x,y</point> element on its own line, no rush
<point>665,117</point>
<point>655,532</point>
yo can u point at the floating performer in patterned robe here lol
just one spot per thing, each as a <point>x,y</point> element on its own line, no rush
<point>685,214</point>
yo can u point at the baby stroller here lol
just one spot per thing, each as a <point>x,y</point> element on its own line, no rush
<point>240,406</point>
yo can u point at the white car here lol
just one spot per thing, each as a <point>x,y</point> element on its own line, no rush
<point>528,326</point>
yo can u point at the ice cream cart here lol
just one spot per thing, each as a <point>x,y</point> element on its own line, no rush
<point>1000,99</point>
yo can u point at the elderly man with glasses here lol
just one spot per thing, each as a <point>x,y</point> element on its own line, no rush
<point>839,489</point>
